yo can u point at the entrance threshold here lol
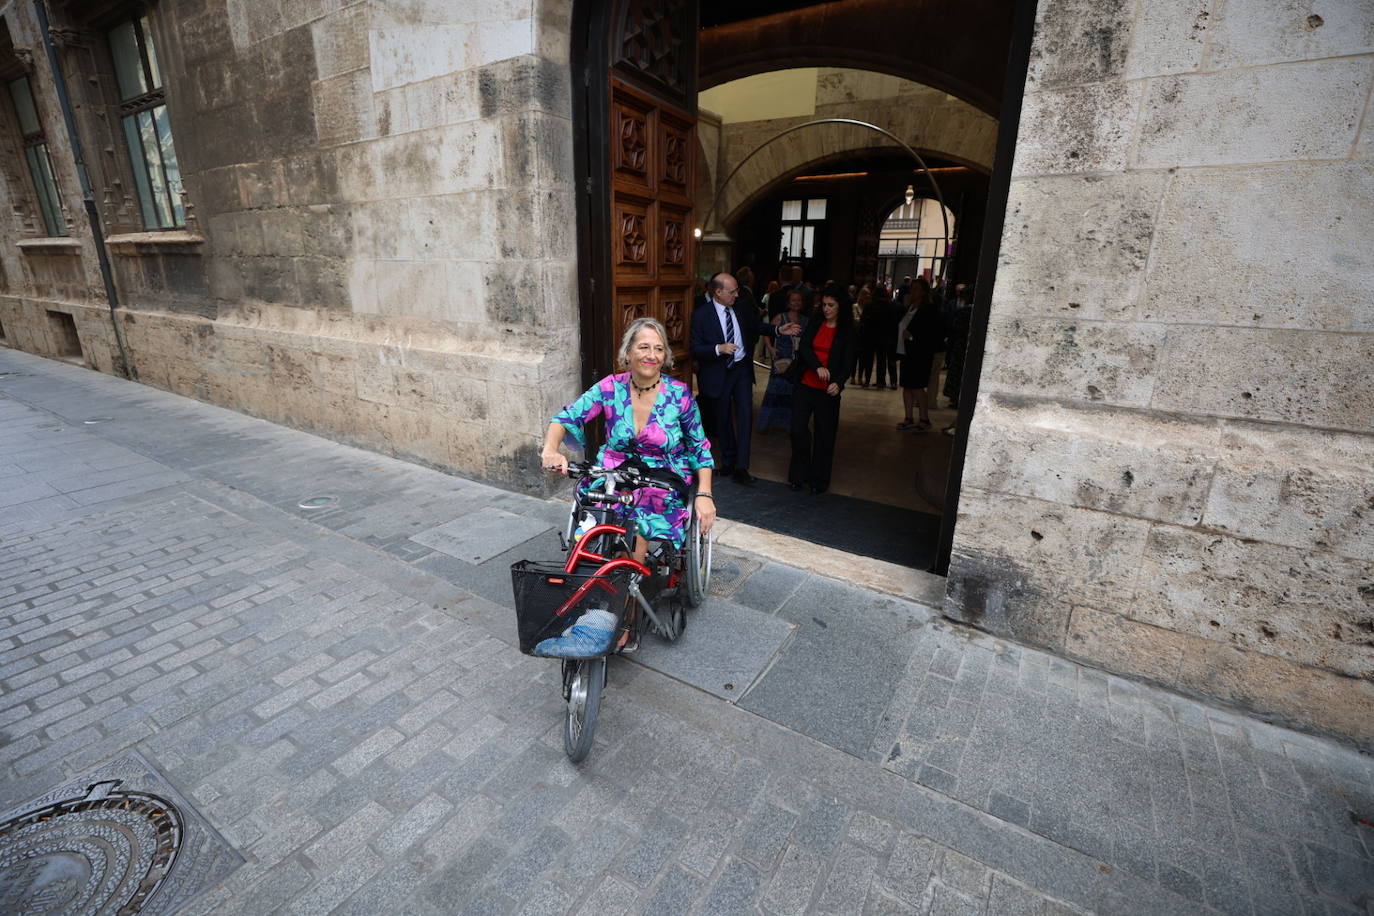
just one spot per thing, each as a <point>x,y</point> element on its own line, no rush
<point>890,578</point>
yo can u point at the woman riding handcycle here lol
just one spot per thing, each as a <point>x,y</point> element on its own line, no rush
<point>638,530</point>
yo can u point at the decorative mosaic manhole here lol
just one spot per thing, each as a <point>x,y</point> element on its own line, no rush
<point>107,844</point>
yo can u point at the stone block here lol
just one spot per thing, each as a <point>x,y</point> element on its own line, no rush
<point>412,53</point>
<point>524,84</point>
<point>1076,360</point>
<point>394,113</point>
<point>1295,377</point>
<point>415,288</point>
<point>456,395</point>
<point>281,231</point>
<point>1304,606</point>
<point>1252,32</point>
<point>1281,689</point>
<point>1307,266</point>
<point>344,109</point>
<point>510,290</point>
<point>340,40</point>
<point>419,433</point>
<point>1019,564</point>
<point>1078,246</point>
<point>1124,645</point>
<point>1309,489</point>
<point>362,286</point>
<point>559,287</point>
<point>357,171</point>
<point>312,179</point>
<point>1077,129</point>
<point>1271,114</point>
<point>1145,466</point>
<point>1169,37</point>
<point>1079,41</point>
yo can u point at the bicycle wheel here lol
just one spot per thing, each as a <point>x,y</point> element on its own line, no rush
<point>587,679</point>
<point>697,558</point>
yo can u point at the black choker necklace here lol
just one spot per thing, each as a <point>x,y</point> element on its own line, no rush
<point>643,390</point>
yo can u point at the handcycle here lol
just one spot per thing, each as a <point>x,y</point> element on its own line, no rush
<point>599,571</point>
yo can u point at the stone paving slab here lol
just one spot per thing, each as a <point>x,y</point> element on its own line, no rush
<point>725,648</point>
<point>481,535</point>
<point>352,717</point>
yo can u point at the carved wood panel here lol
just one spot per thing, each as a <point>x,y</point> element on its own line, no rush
<point>676,307</point>
<point>633,224</point>
<point>654,43</point>
<point>632,303</point>
<point>674,236</point>
<point>631,136</point>
<point>653,151</point>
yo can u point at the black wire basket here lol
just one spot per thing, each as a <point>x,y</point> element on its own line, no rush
<point>549,600</point>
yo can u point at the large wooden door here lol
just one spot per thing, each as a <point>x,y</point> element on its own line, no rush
<point>653,152</point>
<point>634,119</point>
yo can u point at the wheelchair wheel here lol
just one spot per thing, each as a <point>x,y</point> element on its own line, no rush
<point>697,559</point>
<point>584,681</point>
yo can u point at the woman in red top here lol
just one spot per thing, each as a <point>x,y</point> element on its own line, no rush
<point>827,351</point>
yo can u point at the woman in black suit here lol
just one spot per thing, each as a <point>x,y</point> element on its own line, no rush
<point>827,353</point>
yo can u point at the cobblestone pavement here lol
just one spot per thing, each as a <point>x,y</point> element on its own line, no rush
<point>340,698</point>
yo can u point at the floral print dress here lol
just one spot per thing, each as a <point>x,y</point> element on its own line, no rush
<point>672,438</point>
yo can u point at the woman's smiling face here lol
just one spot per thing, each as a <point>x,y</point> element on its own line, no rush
<point>647,352</point>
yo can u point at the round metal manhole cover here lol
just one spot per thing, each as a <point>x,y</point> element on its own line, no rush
<point>91,421</point>
<point>106,852</point>
<point>317,502</point>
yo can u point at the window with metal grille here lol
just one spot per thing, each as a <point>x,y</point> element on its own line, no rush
<point>36,157</point>
<point>147,129</point>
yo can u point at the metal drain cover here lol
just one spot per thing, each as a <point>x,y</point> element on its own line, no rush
<point>317,502</point>
<point>91,421</point>
<point>119,840</point>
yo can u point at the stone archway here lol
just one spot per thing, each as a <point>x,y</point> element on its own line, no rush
<point>927,119</point>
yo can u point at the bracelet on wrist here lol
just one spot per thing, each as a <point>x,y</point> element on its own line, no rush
<point>707,495</point>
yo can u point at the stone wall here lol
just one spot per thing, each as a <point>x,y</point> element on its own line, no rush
<point>926,119</point>
<point>381,241</point>
<point>1170,464</point>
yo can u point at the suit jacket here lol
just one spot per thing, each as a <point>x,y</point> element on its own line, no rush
<point>707,334</point>
<point>842,350</point>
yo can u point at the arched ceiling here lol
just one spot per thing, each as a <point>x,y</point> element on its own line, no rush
<point>959,48</point>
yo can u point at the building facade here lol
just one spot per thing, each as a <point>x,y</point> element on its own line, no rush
<point>361,219</point>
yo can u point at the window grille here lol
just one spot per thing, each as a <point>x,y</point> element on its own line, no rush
<point>36,157</point>
<point>147,128</point>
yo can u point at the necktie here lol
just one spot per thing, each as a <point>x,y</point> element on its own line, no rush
<point>730,333</point>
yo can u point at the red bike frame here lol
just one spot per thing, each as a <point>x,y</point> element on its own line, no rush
<point>580,554</point>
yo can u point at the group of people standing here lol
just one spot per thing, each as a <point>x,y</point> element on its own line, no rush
<point>816,345</point>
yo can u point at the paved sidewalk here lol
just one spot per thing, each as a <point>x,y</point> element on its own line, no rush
<point>335,690</point>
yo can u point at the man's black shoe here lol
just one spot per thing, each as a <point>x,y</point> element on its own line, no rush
<point>794,487</point>
<point>742,476</point>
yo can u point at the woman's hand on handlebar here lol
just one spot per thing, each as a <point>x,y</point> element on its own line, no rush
<point>706,512</point>
<point>556,462</point>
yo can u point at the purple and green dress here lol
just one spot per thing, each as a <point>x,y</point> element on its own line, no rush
<point>672,438</point>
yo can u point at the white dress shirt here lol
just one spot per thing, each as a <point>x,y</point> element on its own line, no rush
<point>737,340</point>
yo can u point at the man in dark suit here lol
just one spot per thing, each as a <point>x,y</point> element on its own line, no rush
<point>723,336</point>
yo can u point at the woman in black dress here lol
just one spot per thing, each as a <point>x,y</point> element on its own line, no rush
<point>827,352</point>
